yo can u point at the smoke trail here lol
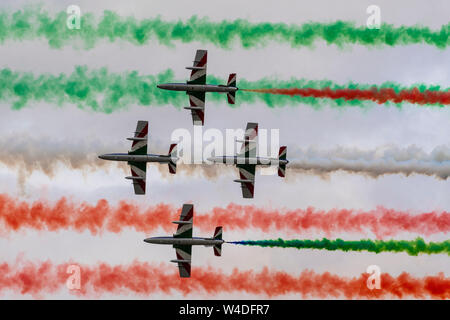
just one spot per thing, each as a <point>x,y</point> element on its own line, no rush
<point>377,95</point>
<point>375,163</point>
<point>315,90</point>
<point>97,90</point>
<point>141,278</point>
<point>413,248</point>
<point>27,154</point>
<point>102,91</point>
<point>66,215</point>
<point>33,22</point>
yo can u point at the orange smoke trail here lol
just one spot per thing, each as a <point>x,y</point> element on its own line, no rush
<point>378,95</point>
<point>64,214</point>
<point>101,217</point>
<point>142,278</point>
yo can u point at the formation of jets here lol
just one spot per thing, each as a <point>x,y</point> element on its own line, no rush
<point>246,161</point>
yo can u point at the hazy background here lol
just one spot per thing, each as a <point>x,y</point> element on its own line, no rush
<point>49,126</point>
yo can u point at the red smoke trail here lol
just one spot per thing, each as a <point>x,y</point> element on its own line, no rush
<point>64,214</point>
<point>381,95</point>
<point>142,278</point>
<point>15,215</point>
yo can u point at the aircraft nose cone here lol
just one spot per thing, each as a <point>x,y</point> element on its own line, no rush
<point>164,86</point>
<point>102,156</point>
<point>148,240</point>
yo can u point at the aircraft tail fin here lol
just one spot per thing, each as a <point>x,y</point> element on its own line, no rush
<point>282,156</point>
<point>218,236</point>
<point>231,96</point>
<point>173,158</point>
<point>231,80</point>
<point>218,250</point>
<point>218,233</point>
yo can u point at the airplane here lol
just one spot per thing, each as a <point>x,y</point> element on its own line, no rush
<point>246,161</point>
<point>196,87</point>
<point>183,241</point>
<point>137,157</point>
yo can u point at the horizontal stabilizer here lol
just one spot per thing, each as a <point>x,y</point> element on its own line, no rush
<point>282,154</point>
<point>231,80</point>
<point>217,250</point>
<point>282,170</point>
<point>173,158</point>
<point>172,167</point>
<point>231,96</point>
<point>218,233</point>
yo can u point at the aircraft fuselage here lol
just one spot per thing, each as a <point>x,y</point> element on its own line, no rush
<point>137,157</point>
<point>243,160</point>
<point>185,241</point>
<point>196,87</point>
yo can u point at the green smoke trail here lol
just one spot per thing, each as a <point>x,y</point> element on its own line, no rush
<point>413,247</point>
<point>33,22</point>
<point>102,91</point>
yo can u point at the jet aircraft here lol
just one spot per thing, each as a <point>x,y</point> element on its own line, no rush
<point>137,157</point>
<point>196,88</point>
<point>247,160</point>
<point>183,241</point>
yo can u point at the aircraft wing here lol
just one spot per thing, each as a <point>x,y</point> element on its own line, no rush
<point>138,175</point>
<point>183,259</point>
<point>198,76</point>
<point>198,73</point>
<point>248,148</point>
<point>197,107</point>
<point>139,147</point>
<point>139,140</point>
<point>184,230</point>
<point>247,179</point>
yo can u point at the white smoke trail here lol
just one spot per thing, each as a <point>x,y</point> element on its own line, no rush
<point>27,154</point>
<point>375,163</point>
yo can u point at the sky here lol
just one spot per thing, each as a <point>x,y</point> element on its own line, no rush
<point>38,134</point>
